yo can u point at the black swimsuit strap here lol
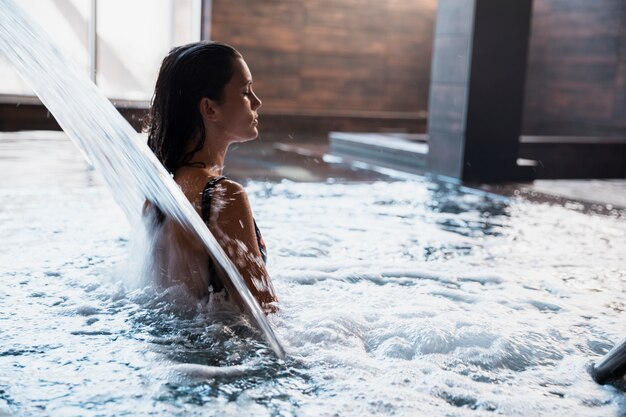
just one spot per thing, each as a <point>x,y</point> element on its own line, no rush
<point>214,282</point>
<point>207,193</point>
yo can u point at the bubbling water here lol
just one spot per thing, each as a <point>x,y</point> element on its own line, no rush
<point>398,298</point>
<point>108,142</point>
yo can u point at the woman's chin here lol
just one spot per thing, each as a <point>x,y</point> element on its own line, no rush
<point>253,136</point>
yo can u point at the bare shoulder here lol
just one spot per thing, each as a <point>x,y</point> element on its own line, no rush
<point>231,200</point>
<point>192,183</point>
<point>232,194</point>
<point>230,187</point>
<point>231,216</point>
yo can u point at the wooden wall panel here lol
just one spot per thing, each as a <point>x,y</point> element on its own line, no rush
<point>620,72</point>
<point>351,57</point>
<point>356,58</point>
<point>576,75</point>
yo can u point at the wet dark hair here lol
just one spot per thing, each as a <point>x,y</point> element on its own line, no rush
<point>188,73</point>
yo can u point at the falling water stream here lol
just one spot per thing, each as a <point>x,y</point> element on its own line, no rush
<point>399,297</point>
<point>107,140</point>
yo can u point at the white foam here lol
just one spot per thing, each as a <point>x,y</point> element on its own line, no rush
<point>186,373</point>
<point>389,303</point>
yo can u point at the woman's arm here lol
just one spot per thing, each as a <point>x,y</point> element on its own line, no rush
<point>232,224</point>
<point>179,257</point>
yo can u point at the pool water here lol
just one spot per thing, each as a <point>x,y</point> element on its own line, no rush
<point>398,297</point>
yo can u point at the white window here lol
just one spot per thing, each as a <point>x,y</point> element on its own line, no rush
<point>131,39</point>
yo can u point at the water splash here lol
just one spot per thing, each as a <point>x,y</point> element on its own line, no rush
<point>389,320</point>
<point>107,141</point>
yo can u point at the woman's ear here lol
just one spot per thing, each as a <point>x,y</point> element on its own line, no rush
<point>208,109</point>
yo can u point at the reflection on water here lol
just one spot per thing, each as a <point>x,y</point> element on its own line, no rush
<point>397,298</point>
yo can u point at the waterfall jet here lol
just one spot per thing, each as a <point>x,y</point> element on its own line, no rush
<point>109,143</point>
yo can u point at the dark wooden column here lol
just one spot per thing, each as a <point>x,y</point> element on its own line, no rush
<point>477,89</point>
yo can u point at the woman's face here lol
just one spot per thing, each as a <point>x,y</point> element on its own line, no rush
<point>238,118</point>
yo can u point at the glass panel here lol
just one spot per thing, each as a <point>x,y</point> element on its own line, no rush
<point>66,21</point>
<point>133,38</point>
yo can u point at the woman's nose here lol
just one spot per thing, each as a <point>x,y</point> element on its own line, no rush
<point>256,102</point>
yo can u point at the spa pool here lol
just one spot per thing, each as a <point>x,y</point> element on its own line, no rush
<point>398,297</point>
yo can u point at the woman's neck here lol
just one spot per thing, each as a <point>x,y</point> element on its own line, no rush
<point>211,156</point>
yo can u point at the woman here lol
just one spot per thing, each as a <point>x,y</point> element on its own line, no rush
<point>203,102</point>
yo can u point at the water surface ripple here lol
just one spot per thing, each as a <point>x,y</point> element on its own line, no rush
<point>397,298</point>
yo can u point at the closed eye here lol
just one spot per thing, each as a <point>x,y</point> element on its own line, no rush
<point>248,89</point>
